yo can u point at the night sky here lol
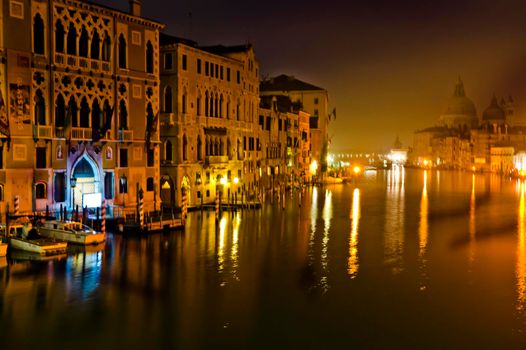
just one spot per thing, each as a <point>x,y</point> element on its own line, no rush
<point>389,65</point>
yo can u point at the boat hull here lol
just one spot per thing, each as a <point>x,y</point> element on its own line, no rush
<point>39,246</point>
<point>70,237</point>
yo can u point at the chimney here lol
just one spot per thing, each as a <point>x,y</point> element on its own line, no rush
<point>135,8</point>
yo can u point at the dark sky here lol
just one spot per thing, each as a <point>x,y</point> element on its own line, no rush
<point>389,65</point>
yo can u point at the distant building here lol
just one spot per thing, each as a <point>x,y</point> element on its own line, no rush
<point>79,98</point>
<point>314,100</point>
<point>209,121</point>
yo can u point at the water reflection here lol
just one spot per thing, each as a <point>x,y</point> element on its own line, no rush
<point>327,216</point>
<point>353,263</point>
<point>236,221</point>
<point>472,222</point>
<point>520,269</point>
<point>83,274</point>
<point>221,244</point>
<point>394,218</point>
<point>423,232</point>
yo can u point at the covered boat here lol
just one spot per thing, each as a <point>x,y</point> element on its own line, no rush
<point>23,237</point>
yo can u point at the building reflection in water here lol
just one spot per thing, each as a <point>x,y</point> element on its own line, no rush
<point>313,219</point>
<point>327,216</point>
<point>423,233</point>
<point>520,269</point>
<point>83,272</point>
<point>394,218</point>
<point>353,263</point>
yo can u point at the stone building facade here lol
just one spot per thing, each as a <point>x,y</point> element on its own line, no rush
<point>79,100</point>
<point>209,122</point>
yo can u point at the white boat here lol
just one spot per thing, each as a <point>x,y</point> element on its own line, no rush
<point>70,231</point>
<point>19,238</point>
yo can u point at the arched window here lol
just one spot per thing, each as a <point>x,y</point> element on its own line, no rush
<point>40,108</point>
<point>96,115</point>
<point>83,42</point>
<point>221,147</point>
<point>123,115</point>
<point>238,112</point>
<point>108,114</point>
<point>183,103</point>
<point>228,109</point>
<point>60,111</point>
<point>229,149</point>
<point>84,113</point>
<point>216,106</point>
<point>199,146</point>
<point>106,47</point>
<point>72,40</point>
<point>149,57</point>
<point>122,52</point>
<point>59,37</point>
<point>168,100</point>
<point>95,46</point>
<point>221,106</point>
<point>216,147</point>
<point>211,112</point>
<point>185,147</point>
<point>72,112</point>
<point>40,190</point>
<point>38,35</point>
<point>168,151</point>
<point>206,104</point>
<point>150,118</point>
<point>198,105</point>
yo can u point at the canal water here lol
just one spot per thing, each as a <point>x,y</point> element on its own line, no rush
<point>400,259</point>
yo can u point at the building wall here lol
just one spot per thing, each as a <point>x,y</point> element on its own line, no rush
<point>74,67</point>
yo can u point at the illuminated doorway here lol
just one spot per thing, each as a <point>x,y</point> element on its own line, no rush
<point>87,191</point>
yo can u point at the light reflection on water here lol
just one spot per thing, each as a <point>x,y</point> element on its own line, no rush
<point>394,218</point>
<point>353,263</point>
<point>347,259</point>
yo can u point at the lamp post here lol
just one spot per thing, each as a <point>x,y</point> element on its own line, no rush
<point>73,183</point>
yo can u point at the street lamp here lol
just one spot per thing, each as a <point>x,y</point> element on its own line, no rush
<point>73,183</point>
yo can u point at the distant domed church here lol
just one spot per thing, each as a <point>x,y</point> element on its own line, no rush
<point>460,112</point>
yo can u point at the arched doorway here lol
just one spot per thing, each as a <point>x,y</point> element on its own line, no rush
<point>167,191</point>
<point>185,189</point>
<point>87,190</point>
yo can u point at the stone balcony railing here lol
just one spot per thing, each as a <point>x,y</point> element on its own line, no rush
<point>216,159</point>
<point>126,135</point>
<point>42,132</point>
<point>75,62</point>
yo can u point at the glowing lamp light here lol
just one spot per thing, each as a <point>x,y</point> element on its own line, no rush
<point>357,170</point>
<point>313,167</point>
<point>236,180</point>
<point>426,162</point>
<point>473,168</point>
<point>223,181</point>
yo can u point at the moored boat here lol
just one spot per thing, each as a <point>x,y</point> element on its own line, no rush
<point>21,237</point>
<point>71,232</point>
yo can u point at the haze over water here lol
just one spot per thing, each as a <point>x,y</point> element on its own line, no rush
<point>404,258</point>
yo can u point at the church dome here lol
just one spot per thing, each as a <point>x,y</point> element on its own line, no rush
<point>494,112</point>
<point>459,104</point>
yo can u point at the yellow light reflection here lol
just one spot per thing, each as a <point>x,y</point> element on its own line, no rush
<point>327,216</point>
<point>423,230</point>
<point>353,263</point>
<point>221,247</point>
<point>520,269</point>
<point>235,245</point>
<point>394,218</point>
<point>472,222</point>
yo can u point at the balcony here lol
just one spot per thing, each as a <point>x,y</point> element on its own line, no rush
<point>81,134</point>
<point>216,159</point>
<point>42,132</point>
<point>168,119</point>
<point>85,63</point>
<point>126,135</point>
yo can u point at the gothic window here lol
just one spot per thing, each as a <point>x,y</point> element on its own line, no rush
<point>38,35</point>
<point>59,37</point>
<point>84,113</point>
<point>150,117</point>
<point>168,100</point>
<point>229,149</point>
<point>221,106</point>
<point>106,47</point>
<point>221,147</point>
<point>206,104</point>
<point>72,40</point>
<point>149,57</point>
<point>122,52</point>
<point>72,113</point>
<point>40,108</point>
<point>108,114</point>
<point>40,191</point>
<point>168,155</point>
<point>83,42</point>
<point>123,115</point>
<point>199,146</point>
<point>185,146</point>
<point>238,107</point>
<point>198,105</point>
<point>60,111</point>
<point>228,109</point>
<point>96,115</point>
<point>216,106</point>
<point>95,46</point>
<point>183,104</point>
